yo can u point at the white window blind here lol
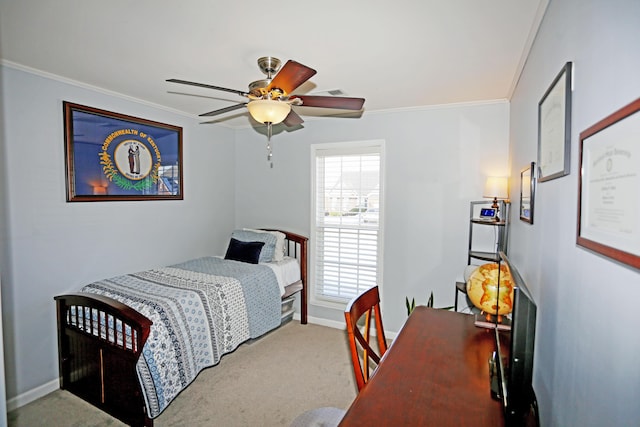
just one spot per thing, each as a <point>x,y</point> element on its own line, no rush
<point>347,210</point>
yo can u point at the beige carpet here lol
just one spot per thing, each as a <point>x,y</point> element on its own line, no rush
<point>266,382</point>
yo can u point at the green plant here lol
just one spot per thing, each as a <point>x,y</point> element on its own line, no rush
<point>412,305</point>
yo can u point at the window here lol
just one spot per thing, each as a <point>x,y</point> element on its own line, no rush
<point>346,222</point>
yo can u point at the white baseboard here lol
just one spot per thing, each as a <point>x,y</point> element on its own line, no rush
<point>33,394</point>
<point>338,325</point>
<point>322,322</point>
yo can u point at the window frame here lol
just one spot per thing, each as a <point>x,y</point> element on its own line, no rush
<point>343,149</point>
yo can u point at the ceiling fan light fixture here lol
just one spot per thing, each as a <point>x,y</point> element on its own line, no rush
<point>268,110</point>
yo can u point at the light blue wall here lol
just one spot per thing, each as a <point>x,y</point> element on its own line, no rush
<point>53,247</point>
<point>436,162</point>
<point>586,368</point>
<point>3,251</point>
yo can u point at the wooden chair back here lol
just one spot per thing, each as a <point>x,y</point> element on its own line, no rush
<point>364,358</point>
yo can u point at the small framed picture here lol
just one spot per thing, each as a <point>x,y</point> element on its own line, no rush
<point>527,192</point>
<point>111,156</point>
<point>554,128</point>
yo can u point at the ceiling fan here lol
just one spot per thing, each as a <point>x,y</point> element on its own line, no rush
<point>270,99</point>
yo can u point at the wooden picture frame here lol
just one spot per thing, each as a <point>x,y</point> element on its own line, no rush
<point>554,127</point>
<point>609,186</point>
<point>115,157</point>
<point>527,192</point>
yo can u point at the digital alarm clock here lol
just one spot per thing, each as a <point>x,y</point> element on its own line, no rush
<point>487,213</point>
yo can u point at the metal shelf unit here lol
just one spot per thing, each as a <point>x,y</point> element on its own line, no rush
<point>501,228</point>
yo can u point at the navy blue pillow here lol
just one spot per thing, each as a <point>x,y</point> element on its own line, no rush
<point>244,251</point>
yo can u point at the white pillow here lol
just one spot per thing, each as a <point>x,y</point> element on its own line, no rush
<point>278,254</point>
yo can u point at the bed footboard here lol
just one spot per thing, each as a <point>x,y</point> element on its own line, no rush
<point>99,343</point>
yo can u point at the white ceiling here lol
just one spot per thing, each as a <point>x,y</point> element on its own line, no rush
<point>396,54</point>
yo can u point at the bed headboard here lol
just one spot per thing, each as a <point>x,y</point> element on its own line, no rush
<point>296,247</point>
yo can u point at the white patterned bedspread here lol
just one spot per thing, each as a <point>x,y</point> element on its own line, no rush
<point>197,317</point>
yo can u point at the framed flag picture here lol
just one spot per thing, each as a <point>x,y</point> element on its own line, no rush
<point>115,157</point>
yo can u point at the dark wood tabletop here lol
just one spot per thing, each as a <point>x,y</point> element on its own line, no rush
<point>435,373</point>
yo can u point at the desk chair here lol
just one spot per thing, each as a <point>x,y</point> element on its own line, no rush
<point>367,304</point>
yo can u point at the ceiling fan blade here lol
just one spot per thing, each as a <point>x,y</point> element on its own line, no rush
<point>185,82</point>
<point>341,102</point>
<point>292,119</point>
<point>223,110</point>
<point>292,75</point>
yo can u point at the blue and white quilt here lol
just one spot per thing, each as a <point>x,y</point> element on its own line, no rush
<point>201,310</point>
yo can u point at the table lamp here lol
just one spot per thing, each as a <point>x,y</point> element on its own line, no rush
<point>496,187</point>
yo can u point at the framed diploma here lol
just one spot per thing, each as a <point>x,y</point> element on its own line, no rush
<point>554,128</point>
<point>527,192</point>
<point>609,186</point>
<point>110,156</point>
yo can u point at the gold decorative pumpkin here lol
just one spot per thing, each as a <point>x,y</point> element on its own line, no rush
<point>482,289</point>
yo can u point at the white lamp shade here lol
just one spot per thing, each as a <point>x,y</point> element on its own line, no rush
<point>497,186</point>
<point>269,111</point>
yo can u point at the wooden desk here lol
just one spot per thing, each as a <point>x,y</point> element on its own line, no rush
<point>435,373</point>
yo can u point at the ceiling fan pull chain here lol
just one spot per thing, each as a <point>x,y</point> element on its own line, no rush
<point>269,151</point>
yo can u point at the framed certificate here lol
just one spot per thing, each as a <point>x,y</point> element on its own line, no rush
<point>609,186</point>
<point>554,128</point>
